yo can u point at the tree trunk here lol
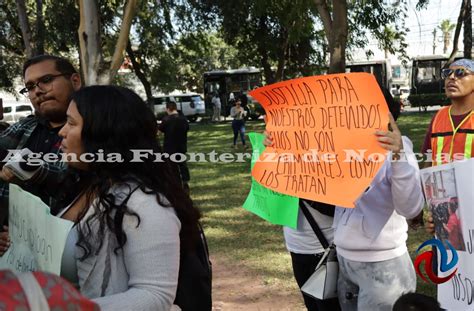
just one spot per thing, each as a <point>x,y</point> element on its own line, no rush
<point>468,31</point>
<point>434,41</point>
<point>138,71</point>
<point>336,29</point>
<point>39,27</point>
<point>457,32</point>
<point>89,38</point>
<point>117,60</point>
<point>267,70</point>
<point>446,43</point>
<point>282,55</point>
<point>25,27</point>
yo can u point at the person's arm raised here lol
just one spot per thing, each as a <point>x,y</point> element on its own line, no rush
<point>407,194</point>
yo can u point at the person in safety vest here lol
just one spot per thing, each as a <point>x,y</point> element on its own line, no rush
<point>450,136</point>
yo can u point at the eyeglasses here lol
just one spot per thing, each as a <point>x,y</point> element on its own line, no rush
<point>44,83</point>
<point>458,73</point>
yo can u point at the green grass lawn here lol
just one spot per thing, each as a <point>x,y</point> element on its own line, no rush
<point>219,190</point>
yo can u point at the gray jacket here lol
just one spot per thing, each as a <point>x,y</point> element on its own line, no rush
<point>144,274</point>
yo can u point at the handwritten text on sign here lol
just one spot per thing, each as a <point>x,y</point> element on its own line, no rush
<point>38,238</point>
<point>324,147</point>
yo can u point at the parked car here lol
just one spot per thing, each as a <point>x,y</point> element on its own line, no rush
<point>13,112</point>
<point>191,105</point>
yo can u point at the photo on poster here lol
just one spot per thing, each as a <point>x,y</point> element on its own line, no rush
<point>442,199</point>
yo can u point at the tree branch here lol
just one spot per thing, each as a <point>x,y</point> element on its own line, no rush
<point>339,33</point>
<point>138,70</point>
<point>457,32</point>
<point>25,27</point>
<point>468,31</point>
<point>325,14</point>
<point>117,59</point>
<point>39,27</point>
<point>261,39</point>
<point>12,20</point>
<point>285,38</point>
<point>89,39</point>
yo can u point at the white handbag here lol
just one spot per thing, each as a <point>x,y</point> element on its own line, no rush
<point>322,284</point>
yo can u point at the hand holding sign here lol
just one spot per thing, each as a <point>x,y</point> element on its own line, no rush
<point>322,129</point>
<point>429,225</point>
<point>4,240</point>
<point>268,141</point>
<point>37,237</point>
<point>391,140</point>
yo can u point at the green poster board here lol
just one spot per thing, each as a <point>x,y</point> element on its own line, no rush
<point>277,208</point>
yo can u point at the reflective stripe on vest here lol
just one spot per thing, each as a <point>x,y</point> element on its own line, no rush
<point>448,140</point>
<point>439,147</point>
<point>467,147</point>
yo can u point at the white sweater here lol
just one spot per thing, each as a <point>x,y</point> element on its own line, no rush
<point>144,274</point>
<point>376,229</point>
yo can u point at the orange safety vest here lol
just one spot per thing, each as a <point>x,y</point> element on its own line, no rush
<point>446,140</point>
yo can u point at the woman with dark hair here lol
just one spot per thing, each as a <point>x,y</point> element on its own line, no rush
<point>132,216</point>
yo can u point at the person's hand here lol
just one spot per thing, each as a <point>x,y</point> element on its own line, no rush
<point>391,140</point>
<point>7,175</point>
<point>4,241</point>
<point>429,224</point>
<point>268,141</point>
<point>416,222</point>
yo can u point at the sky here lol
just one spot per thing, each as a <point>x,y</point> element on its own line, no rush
<point>421,25</point>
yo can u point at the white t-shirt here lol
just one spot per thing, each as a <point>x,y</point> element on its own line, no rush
<point>304,240</point>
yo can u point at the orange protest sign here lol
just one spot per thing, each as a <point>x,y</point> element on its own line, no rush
<point>324,147</point>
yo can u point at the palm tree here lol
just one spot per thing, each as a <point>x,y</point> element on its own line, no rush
<point>389,39</point>
<point>446,28</point>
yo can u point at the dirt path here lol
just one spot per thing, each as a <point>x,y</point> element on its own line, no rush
<point>235,288</point>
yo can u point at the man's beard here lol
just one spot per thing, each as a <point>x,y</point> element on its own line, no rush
<point>54,114</point>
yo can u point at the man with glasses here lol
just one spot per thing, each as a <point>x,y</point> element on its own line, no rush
<point>450,136</point>
<point>451,132</point>
<point>49,82</point>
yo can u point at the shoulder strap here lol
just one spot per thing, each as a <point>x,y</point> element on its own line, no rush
<point>204,244</point>
<point>313,224</point>
<point>33,292</point>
